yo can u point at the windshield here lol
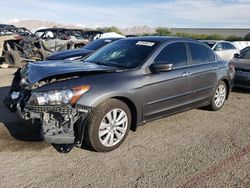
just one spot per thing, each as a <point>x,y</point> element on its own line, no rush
<point>97,44</point>
<point>123,53</point>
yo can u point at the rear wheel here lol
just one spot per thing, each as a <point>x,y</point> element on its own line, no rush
<point>108,126</point>
<point>218,97</point>
<point>12,58</point>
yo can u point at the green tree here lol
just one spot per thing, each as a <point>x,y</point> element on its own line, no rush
<point>162,31</point>
<point>247,37</point>
<point>109,29</point>
<point>234,38</point>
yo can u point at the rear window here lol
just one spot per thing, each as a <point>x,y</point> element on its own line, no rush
<point>200,54</point>
<point>228,46</point>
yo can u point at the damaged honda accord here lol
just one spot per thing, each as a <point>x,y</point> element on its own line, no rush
<point>96,101</point>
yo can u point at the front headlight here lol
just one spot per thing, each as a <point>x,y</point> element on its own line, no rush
<point>58,97</point>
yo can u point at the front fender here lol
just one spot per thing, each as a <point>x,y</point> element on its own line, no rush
<point>93,100</point>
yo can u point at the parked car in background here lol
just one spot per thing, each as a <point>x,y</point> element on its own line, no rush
<point>224,49</point>
<point>117,88</point>
<point>109,35</point>
<point>81,52</point>
<point>241,63</point>
<point>56,39</point>
<point>91,35</point>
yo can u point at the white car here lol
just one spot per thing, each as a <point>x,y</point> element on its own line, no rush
<point>224,49</point>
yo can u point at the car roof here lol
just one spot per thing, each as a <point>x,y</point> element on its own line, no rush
<point>7,26</point>
<point>110,38</point>
<point>161,39</point>
<point>53,29</point>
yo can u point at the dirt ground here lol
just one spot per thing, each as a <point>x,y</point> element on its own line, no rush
<point>197,148</point>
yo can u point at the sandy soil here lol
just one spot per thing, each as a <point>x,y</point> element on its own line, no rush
<point>197,148</point>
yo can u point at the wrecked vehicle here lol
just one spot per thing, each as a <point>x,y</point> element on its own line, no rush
<point>117,88</point>
<point>19,45</point>
<point>81,52</point>
<point>7,52</point>
<point>57,39</point>
<point>91,35</point>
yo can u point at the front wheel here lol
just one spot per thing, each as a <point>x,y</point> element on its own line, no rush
<point>218,97</point>
<point>108,126</point>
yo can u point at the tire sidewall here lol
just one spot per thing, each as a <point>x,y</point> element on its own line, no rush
<point>213,105</point>
<point>93,124</point>
<point>14,56</point>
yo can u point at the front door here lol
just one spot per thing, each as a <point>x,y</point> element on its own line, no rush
<point>167,91</point>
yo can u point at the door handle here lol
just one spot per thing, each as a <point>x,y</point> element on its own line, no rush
<point>186,73</point>
<point>215,67</point>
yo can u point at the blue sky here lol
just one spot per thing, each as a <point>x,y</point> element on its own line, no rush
<point>168,13</point>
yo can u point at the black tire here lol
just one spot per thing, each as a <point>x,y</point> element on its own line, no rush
<point>91,133</point>
<point>12,58</point>
<point>41,54</point>
<point>213,105</point>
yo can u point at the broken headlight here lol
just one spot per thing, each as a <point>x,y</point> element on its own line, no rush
<point>58,97</point>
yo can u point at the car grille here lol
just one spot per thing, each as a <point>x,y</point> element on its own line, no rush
<point>59,109</point>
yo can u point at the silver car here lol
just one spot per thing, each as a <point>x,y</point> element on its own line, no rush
<point>224,49</point>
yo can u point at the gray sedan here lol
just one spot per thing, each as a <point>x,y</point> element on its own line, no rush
<point>116,89</point>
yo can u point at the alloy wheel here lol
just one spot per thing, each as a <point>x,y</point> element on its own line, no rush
<point>113,127</point>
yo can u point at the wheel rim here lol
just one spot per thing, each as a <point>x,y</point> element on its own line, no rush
<point>220,96</point>
<point>113,127</point>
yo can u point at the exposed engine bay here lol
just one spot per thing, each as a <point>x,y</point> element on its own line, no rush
<point>61,125</point>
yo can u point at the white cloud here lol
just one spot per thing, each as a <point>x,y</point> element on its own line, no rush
<point>13,20</point>
<point>207,12</point>
<point>179,13</point>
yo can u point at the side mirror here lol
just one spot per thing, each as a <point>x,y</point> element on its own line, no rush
<point>236,55</point>
<point>160,67</point>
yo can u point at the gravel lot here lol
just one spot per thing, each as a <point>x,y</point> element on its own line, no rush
<point>197,148</point>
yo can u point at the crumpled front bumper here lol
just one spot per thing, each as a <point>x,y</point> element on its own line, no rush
<point>60,124</point>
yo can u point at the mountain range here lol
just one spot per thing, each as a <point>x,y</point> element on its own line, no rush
<point>37,24</point>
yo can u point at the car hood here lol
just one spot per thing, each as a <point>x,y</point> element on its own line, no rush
<point>38,71</point>
<point>65,54</point>
<point>242,64</point>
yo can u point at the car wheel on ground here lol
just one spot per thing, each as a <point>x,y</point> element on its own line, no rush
<point>107,126</point>
<point>12,58</point>
<point>219,96</point>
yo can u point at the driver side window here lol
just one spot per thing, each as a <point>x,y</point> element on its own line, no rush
<point>174,53</point>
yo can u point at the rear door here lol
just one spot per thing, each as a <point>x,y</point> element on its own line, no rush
<point>167,91</point>
<point>204,68</point>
